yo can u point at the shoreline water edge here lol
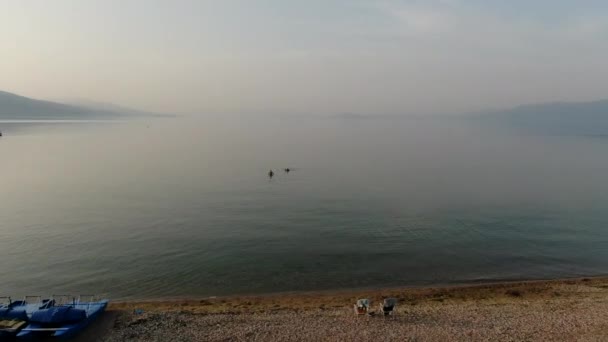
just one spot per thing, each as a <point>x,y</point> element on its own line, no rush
<point>561,309</point>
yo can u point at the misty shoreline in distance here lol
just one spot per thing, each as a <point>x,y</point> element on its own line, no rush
<point>17,107</point>
<point>556,118</point>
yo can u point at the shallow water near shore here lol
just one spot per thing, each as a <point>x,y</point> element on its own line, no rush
<point>184,207</point>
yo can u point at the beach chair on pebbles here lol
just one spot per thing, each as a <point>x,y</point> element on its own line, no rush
<point>362,307</point>
<point>387,307</point>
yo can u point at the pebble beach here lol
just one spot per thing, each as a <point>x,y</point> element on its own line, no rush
<point>558,310</point>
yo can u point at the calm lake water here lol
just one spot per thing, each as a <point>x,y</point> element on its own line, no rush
<point>184,207</point>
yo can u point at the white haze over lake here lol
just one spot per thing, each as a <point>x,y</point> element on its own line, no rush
<point>302,57</point>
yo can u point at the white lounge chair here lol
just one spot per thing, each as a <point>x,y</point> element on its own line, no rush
<point>362,307</point>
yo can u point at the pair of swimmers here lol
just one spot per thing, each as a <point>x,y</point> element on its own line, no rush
<point>271,173</point>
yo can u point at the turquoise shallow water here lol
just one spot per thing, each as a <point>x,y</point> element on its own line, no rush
<point>183,207</point>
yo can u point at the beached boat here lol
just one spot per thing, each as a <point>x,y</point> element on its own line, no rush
<point>64,319</point>
<point>15,315</point>
<point>11,321</point>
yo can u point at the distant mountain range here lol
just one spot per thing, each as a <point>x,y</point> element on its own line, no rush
<point>578,118</point>
<point>104,107</point>
<point>16,107</point>
<point>579,110</point>
<point>557,118</point>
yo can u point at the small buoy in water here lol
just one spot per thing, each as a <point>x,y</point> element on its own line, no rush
<point>287,170</point>
<point>270,173</point>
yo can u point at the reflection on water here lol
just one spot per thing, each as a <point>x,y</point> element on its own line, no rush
<point>175,207</point>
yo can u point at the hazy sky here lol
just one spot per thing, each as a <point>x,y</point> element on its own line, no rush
<point>313,56</point>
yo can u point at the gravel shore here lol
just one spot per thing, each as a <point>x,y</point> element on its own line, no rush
<point>568,310</point>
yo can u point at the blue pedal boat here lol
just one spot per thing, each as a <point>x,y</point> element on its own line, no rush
<point>14,315</point>
<point>64,319</point>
